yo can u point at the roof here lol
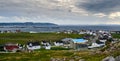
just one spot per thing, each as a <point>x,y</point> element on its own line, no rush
<point>79,40</point>
<point>33,43</point>
<point>11,47</point>
<point>45,41</point>
<point>59,41</point>
<point>67,39</point>
<point>11,43</point>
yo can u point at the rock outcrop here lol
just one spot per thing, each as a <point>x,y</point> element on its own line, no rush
<point>111,58</point>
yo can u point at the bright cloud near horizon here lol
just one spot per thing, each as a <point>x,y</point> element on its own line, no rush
<point>73,12</point>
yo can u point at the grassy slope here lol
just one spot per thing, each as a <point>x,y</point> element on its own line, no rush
<point>24,37</point>
<point>45,55</point>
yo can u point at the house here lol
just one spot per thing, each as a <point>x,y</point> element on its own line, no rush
<point>96,45</point>
<point>47,47</point>
<point>75,32</point>
<point>67,31</point>
<point>45,43</point>
<point>83,32</point>
<point>33,45</point>
<point>103,41</point>
<point>12,47</point>
<point>66,40</point>
<point>58,43</point>
<point>94,34</point>
<point>18,31</point>
<point>87,36</point>
<point>78,43</point>
<point>116,32</point>
<point>33,32</point>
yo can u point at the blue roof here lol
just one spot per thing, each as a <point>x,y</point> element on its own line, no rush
<point>78,40</point>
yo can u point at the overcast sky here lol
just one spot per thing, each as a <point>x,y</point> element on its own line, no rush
<point>73,12</point>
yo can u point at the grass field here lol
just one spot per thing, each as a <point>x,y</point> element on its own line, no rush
<point>46,55</point>
<point>24,37</point>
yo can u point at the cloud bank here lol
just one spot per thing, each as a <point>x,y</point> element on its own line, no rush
<point>56,11</point>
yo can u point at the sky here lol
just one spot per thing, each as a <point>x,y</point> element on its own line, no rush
<point>62,12</point>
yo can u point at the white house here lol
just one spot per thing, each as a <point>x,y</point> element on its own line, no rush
<point>45,43</point>
<point>58,43</point>
<point>95,45</point>
<point>47,47</point>
<point>103,41</point>
<point>82,32</point>
<point>33,45</point>
<point>33,32</point>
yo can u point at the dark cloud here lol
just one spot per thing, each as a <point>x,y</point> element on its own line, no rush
<point>101,6</point>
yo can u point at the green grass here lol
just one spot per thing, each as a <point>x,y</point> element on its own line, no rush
<point>46,55</point>
<point>116,35</point>
<point>43,55</point>
<point>24,37</point>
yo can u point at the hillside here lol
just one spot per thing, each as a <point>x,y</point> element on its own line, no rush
<point>112,49</point>
<point>28,24</point>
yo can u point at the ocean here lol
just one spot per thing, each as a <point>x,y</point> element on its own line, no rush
<point>64,27</point>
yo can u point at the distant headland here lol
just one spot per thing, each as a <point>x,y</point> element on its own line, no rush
<point>28,24</point>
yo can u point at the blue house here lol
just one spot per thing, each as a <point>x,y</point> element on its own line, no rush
<point>78,43</point>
